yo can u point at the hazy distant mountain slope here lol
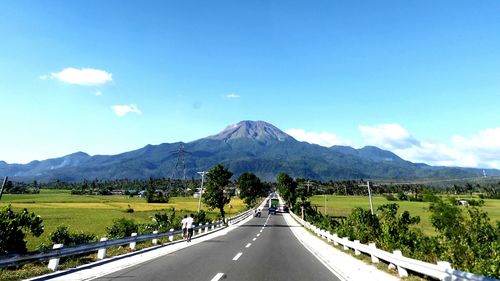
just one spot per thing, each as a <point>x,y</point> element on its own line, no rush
<point>254,146</point>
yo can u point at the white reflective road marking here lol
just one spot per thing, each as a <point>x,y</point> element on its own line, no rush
<point>254,239</point>
<point>218,276</point>
<point>248,245</point>
<point>237,256</point>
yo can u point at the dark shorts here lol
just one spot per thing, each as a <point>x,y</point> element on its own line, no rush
<point>184,231</point>
<point>190,231</point>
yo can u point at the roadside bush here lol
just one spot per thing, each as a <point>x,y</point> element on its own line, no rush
<point>13,229</point>
<point>121,228</point>
<point>360,225</point>
<point>62,235</point>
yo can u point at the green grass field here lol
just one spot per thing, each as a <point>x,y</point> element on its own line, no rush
<point>93,213</point>
<point>342,206</point>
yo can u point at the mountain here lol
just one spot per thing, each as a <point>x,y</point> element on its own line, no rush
<point>248,146</point>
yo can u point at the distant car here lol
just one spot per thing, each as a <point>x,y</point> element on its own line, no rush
<point>272,210</point>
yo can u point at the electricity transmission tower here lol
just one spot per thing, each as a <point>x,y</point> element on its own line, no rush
<point>180,164</point>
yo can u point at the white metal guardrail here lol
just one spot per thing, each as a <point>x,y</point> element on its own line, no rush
<point>60,251</point>
<point>441,270</point>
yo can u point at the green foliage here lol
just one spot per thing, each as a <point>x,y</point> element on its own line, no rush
<point>470,242</point>
<point>287,188</point>
<point>62,235</point>
<point>122,227</point>
<point>215,195</point>
<point>13,227</point>
<point>251,188</point>
<point>360,225</point>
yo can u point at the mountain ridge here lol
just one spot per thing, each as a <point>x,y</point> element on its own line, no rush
<point>247,146</point>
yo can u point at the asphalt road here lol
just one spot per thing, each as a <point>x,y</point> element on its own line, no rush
<point>250,252</point>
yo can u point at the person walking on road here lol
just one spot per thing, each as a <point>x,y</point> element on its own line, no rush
<point>190,225</point>
<point>184,227</point>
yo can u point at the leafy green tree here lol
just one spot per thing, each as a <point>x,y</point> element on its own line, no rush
<point>287,188</point>
<point>218,178</point>
<point>251,188</point>
<point>13,227</point>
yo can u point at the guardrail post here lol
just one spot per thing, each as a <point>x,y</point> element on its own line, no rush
<point>401,271</point>
<point>328,237</point>
<point>199,230</point>
<point>444,265</point>
<point>133,244</point>
<point>54,263</point>
<point>374,258</point>
<point>101,253</point>
<point>213,225</point>
<point>155,240</point>
<point>206,227</point>
<point>171,237</point>
<point>335,239</point>
<point>356,246</point>
<point>345,244</point>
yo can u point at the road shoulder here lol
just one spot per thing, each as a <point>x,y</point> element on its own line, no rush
<point>341,264</point>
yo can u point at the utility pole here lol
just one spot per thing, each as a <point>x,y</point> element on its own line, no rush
<point>368,185</point>
<point>3,185</point>
<point>202,174</point>
<point>324,193</point>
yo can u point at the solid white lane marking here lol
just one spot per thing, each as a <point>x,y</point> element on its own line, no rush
<point>248,245</point>
<point>237,256</point>
<point>254,239</point>
<point>218,277</point>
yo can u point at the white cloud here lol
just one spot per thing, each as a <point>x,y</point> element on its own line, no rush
<point>232,96</point>
<point>98,93</point>
<point>480,150</point>
<point>389,136</point>
<point>83,76</point>
<point>43,77</point>
<point>321,138</point>
<point>122,110</point>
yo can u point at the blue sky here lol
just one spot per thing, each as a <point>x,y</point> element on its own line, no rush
<point>420,78</point>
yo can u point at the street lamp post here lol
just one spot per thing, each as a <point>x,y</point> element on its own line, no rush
<point>202,174</point>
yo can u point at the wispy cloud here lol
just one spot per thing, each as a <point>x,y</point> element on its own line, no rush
<point>98,93</point>
<point>232,96</point>
<point>321,138</point>
<point>43,77</point>
<point>122,110</point>
<point>83,76</point>
<point>479,150</point>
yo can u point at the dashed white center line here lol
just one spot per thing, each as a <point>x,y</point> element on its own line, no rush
<point>237,256</point>
<point>254,239</point>
<point>258,234</point>
<point>248,245</point>
<point>218,276</point>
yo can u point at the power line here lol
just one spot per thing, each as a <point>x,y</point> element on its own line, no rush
<point>484,177</point>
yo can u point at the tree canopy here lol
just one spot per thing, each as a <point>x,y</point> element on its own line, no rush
<point>251,188</point>
<point>215,196</point>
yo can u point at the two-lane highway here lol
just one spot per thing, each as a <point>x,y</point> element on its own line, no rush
<point>262,249</point>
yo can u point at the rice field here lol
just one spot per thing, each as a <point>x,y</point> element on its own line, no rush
<point>342,206</point>
<point>93,213</point>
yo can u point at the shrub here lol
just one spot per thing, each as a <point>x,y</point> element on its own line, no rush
<point>62,235</point>
<point>390,197</point>
<point>13,227</point>
<point>121,228</point>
